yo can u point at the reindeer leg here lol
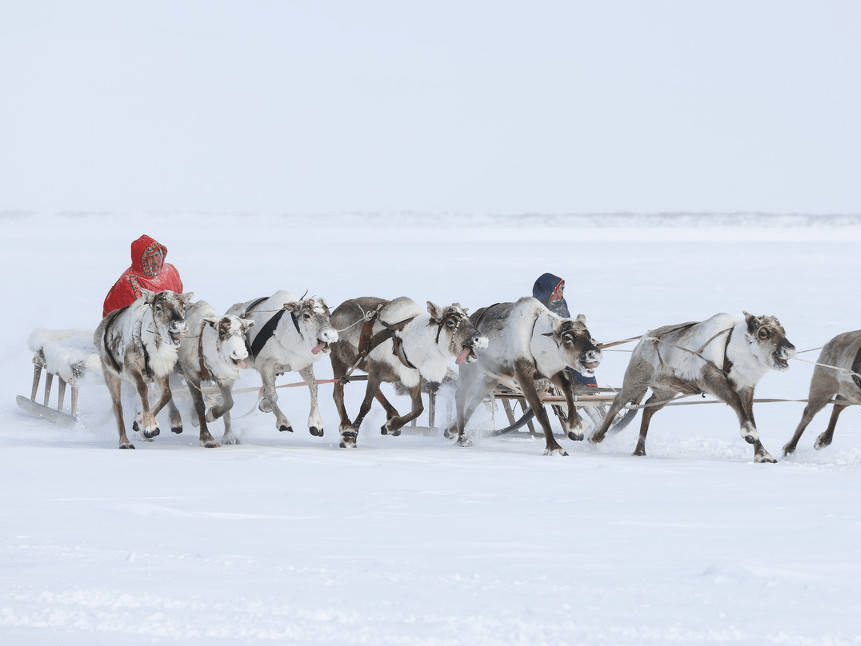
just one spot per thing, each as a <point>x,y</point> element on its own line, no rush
<point>575,422</point>
<point>742,403</point>
<point>115,384</point>
<point>468,397</point>
<point>174,417</point>
<point>338,371</point>
<point>223,412</point>
<point>315,422</point>
<point>630,394</point>
<point>145,421</point>
<point>349,435</point>
<point>395,424</point>
<point>651,407</point>
<point>391,411</point>
<point>270,398</point>
<point>165,397</point>
<point>206,439</point>
<point>760,454</point>
<point>817,399</point>
<point>825,438</point>
<point>523,374</point>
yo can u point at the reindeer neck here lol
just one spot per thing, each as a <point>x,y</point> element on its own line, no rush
<point>545,349</point>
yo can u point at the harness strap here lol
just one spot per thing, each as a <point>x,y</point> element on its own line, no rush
<point>727,364</point>
<point>204,373</point>
<point>369,341</point>
<point>266,333</point>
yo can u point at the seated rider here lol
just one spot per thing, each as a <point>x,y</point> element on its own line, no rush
<point>549,290</point>
<point>148,271</point>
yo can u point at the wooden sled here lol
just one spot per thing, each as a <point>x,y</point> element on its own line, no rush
<point>69,356</point>
<point>593,401</point>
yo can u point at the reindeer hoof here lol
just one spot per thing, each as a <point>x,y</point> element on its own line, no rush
<point>577,437</point>
<point>348,440</point>
<point>448,434</point>
<point>395,432</point>
<point>558,450</point>
<point>821,443</point>
<point>464,441</point>
<point>284,428</point>
<point>148,435</point>
<point>787,450</point>
<point>176,429</point>
<point>316,432</point>
<point>640,451</point>
<point>229,440</point>
<point>128,445</point>
<point>384,430</point>
<point>596,439</point>
<point>764,458</point>
<point>209,444</point>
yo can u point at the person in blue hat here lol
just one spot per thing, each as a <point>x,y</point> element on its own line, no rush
<point>549,291</point>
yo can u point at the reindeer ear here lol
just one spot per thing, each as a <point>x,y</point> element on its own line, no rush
<point>147,295</point>
<point>292,306</point>
<point>210,320</point>
<point>246,324</point>
<point>581,318</point>
<point>752,321</point>
<point>436,312</point>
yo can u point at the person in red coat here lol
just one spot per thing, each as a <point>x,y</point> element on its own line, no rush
<point>148,271</point>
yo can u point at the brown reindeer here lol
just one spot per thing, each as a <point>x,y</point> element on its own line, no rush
<point>838,372</point>
<point>396,342</point>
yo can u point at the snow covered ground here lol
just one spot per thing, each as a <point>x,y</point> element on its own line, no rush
<point>411,540</point>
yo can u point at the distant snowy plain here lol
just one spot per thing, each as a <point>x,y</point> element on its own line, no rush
<point>411,540</point>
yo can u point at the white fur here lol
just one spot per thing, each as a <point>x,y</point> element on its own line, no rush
<point>163,352</point>
<point>67,352</point>
<point>430,358</point>
<point>288,350</point>
<point>749,363</point>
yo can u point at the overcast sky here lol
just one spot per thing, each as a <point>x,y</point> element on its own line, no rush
<point>484,106</point>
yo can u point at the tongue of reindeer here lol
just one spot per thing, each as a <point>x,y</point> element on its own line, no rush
<point>316,349</point>
<point>462,356</point>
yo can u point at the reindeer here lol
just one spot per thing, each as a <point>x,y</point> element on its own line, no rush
<point>396,342</point>
<point>289,334</point>
<point>214,352</point>
<point>140,343</point>
<point>526,342</point>
<point>837,372</point>
<point>722,356</point>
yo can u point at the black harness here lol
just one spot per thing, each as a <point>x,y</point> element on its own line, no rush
<point>268,329</point>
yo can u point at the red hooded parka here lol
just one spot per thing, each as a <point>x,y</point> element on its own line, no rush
<point>142,275</point>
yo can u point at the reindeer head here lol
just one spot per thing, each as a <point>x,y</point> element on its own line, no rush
<point>455,331</point>
<point>767,341</point>
<point>312,319</point>
<point>168,311</point>
<point>230,344</point>
<point>576,343</point>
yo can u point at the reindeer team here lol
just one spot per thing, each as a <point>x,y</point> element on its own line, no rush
<point>163,335</point>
